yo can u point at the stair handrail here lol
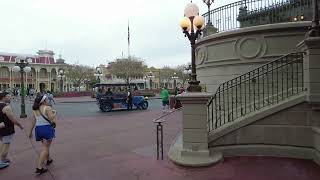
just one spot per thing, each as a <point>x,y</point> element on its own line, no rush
<point>264,69</point>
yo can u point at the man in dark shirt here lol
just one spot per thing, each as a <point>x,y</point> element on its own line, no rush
<point>129,100</point>
<point>8,119</point>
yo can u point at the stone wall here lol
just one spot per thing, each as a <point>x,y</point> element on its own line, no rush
<point>291,132</point>
<point>223,56</point>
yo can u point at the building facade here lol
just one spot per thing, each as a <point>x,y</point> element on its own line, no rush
<point>43,75</point>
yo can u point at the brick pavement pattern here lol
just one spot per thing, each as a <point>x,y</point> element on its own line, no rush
<point>119,147</point>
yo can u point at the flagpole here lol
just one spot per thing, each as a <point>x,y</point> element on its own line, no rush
<point>128,40</point>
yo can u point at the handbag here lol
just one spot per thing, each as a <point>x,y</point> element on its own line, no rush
<point>53,124</point>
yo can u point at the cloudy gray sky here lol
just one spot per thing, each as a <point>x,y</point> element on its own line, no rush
<point>94,32</point>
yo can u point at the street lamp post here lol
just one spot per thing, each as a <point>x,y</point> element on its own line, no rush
<point>150,76</point>
<point>191,22</point>
<point>22,66</point>
<point>145,82</point>
<point>188,71</point>
<point>98,74</point>
<point>314,30</point>
<point>61,76</point>
<point>209,3</point>
<point>174,77</point>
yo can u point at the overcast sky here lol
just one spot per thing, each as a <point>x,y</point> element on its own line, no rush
<point>94,32</point>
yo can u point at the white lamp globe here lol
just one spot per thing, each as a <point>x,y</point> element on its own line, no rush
<point>16,68</point>
<point>185,24</point>
<point>199,22</point>
<point>61,71</point>
<point>189,71</point>
<point>27,69</point>
<point>185,71</point>
<point>191,10</point>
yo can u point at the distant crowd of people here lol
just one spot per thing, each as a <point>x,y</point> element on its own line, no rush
<point>30,93</point>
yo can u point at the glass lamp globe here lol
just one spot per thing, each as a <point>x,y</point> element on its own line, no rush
<point>61,71</point>
<point>198,22</point>
<point>16,68</point>
<point>191,10</point>
<point>185,71</point>
<point>189,71</point>
<point>185,24</point>
<point>27,69</point>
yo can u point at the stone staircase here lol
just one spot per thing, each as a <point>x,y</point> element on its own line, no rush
<point>264,86</point>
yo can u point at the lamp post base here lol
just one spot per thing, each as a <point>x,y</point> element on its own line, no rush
<point>194,86</point>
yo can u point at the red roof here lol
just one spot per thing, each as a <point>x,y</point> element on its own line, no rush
<point>35,59</point>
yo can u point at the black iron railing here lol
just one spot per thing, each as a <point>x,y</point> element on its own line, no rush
<point>266,85</point>
<point>246,13</point>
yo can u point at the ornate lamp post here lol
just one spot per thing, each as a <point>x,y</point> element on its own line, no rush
<point>145,82</point>
<point>314,30</point>
<point>174,77</point>
<point>189,24</point>
<point>61,76</point>
<point>208,3</point>
<point>22,66</point>
<point>98,74</point>
<point>150,76</point>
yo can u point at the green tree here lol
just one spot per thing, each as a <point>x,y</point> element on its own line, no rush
<point>127,68</point>
<point>78,73</point>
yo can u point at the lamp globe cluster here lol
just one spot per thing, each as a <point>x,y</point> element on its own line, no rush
<point>191,19</point>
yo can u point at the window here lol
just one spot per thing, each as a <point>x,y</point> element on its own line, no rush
<point>4,72</point>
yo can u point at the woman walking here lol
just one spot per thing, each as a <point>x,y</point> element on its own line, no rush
<point>44,123</point>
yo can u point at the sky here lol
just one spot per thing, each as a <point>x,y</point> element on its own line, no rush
<point>94,32</point>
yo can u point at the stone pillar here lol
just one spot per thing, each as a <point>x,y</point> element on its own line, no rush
<point>192,148</point>
<point>311,66</point>
<point>10,78</point>
<point>49,80</point>
<point>37,81</point>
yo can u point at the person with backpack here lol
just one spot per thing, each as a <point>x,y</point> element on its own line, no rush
<point>7,121</point>
<point>44,122</point>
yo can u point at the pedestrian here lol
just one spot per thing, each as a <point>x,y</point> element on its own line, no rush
<point>8,121</point>
<point>50,98</point>
<point>43,120</point>
<point>129,100</point>
<point>165,99</point>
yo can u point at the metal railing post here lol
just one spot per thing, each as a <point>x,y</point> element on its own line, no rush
<point>159,139</point>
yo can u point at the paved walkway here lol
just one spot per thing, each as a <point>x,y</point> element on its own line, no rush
<point>122,148</point>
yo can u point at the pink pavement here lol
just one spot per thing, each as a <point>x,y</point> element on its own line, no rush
<point>122,147</point>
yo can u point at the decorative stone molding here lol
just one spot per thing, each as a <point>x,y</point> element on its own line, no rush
<point>201,55</point>
<point>250,47</point>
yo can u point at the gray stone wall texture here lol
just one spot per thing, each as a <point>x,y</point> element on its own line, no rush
<point>223,56</point>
